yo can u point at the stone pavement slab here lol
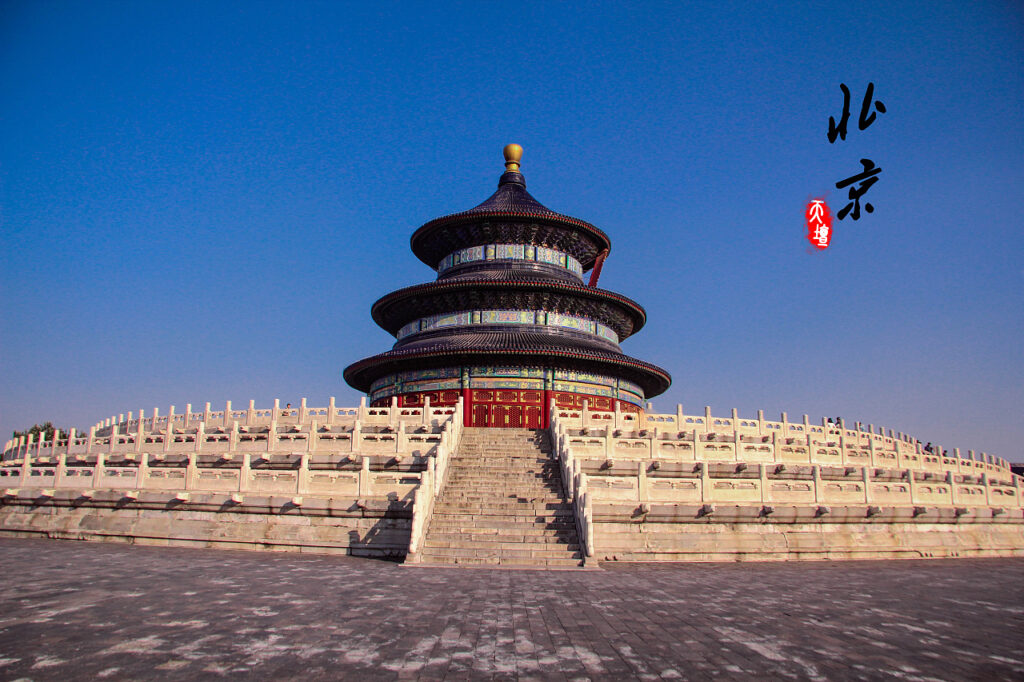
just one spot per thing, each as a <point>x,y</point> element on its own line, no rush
<point>78,611</point>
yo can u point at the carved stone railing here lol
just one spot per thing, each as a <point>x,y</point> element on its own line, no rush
<point>433,481</point>
<point>644,482</point>
<point>378,452</point>
<point>708,438</point>
<point>763,464</point>
<point>575,482</point>
<point>383,429</point>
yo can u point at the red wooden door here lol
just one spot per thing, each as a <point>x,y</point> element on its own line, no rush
<point>500,416</point>
<point>515,416</point>
<point>533,413</point>
<point>480,414</point>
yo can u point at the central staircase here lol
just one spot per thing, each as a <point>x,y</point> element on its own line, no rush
<point>503,504</point>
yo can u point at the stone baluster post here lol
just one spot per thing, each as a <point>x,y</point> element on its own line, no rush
<point>707,419</point>
<point>97,471</point>
<point>762,475</point>
<point>272,433</point>
<point>169,431</point>
<point>706,491</point>
<point>643,494</point>
<point>302,480</point>
<point>26,461</point>
<point>187,416</point>
<point>400,438</point>
<point>200,436</point>
<point>361,413</point>
<point>364,477</point>
<point>433,481</point>
<point>357,434</point>
<point>911,485</point>
<point>244,476</point>
<point>313,440</point>
<point>426,412</point>
<point>142,472</point>
<point>191,472</point>
<point>303,411</point>
<point>250,414</point>
<point>818,488</point>
<point>332,411</point>
<point>680,419</point>
<point>91,440</point>
<point>227,414</point>
<point>866,471</point>
<point>140,434</point>
<point>785,425</point>
<point>737,436</point>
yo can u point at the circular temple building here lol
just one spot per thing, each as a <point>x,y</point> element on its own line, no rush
<point>509,325</point>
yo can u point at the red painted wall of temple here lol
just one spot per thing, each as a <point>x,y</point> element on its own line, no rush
<point>511,408</point>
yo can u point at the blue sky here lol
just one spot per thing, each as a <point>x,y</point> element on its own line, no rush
<point>200,201</point>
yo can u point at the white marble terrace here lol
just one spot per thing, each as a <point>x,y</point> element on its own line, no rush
<point>704,461</point>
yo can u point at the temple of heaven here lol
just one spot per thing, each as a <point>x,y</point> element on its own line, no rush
<point>509,324</point>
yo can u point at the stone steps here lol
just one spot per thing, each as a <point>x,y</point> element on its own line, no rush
<point>502,504</point>
<point>518,562</point>
<point>513,539</point>
<point>482,551</point>
<point>484,526</point>
<point>543,500</point>
<point>530,488</point>
<point>504,515</point>
<point>515,462</point>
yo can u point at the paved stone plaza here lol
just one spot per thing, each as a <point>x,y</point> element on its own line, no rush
<point>73,610</point>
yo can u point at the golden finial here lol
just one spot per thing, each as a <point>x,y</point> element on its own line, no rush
<point>513,153</point>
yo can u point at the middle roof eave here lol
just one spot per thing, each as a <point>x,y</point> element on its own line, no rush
<point>398,308</point>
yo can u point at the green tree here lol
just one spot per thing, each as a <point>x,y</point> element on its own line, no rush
<point>46,428</point>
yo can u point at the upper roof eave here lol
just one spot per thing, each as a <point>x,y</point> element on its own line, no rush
<point>595,234</point>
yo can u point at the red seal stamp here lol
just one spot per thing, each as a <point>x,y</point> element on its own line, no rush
<point>819,224</point>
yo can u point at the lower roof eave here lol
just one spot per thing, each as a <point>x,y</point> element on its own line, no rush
<point>654,380</point>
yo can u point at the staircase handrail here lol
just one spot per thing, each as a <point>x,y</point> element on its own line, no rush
<point>575,482</point>
<point>432,482</point>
